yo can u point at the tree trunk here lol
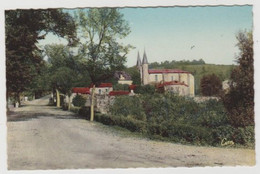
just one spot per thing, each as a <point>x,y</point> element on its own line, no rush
<point>69,104</point>
<point>58,98</point>
<point>92,104</point>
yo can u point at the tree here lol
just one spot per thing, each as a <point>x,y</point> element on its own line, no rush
<point>64,68</point>
<point>239,101</point>
<point>63,80</point>
<point>101,50</point>
<point>210,85</point>
<point>24,28</point>
<point>135,75</point>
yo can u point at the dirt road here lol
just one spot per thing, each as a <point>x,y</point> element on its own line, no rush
<point>43,137</point>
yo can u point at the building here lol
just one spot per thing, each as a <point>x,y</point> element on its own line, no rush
<point>123,78</point>
<point>175,80</point>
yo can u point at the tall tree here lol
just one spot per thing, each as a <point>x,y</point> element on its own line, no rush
<point>103,54</point>
<point>64,68</point>
<point>210,85</point>
<point>24,28</point>
<point>239,101</point>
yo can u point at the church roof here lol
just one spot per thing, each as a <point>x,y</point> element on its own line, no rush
<point>165,71</point>
<point>145,61</point>
<point>138,63</point>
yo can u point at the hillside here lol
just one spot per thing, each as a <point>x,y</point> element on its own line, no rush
<point>197,68</point>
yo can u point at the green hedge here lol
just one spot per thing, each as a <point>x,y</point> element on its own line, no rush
<point>79,101</point>
<point>179,118</point>
<point>125,122</point>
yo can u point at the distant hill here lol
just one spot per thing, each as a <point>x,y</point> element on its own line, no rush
<point>198,68</point>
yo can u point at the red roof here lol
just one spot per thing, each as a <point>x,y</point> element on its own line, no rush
<point>115,93</point>
<point>171,83</point>
<point>165,71</point>
<point>81,90</point>
<point>103,85</point>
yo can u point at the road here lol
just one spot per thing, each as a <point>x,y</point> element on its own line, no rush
<point>44,137</point>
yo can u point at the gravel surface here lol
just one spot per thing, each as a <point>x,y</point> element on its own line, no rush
<point>44,137</point>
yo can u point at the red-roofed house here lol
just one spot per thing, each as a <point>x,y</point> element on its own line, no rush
<point>117,93</point>
<point>162,76</point>
<point>80,90</point>
<point>103,88</point>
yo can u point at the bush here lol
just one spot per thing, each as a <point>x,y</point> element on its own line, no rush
<point>181,132</point>
<point>79,101</point>
<point>212,114</point>
<point>146,89</point>
<point>244,136</point>
<point>125,122</point>
<point>176,118</point>
<point>75,109</point>
<point>121,87</point>
<point>84,112</point>
<point>128,105</point>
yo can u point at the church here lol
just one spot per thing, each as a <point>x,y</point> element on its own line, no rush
<point>173,80</point>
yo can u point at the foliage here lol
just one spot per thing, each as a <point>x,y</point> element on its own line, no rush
<point>84,112</point>
<point>145,89</point>
<point>135,75</point>
<point>24,28</point>
<point>239,101</point>
<point>175,64</point>
<point>65,69</point>
<point>128,106</point>
<point>210,85</point>
<point>121,87</point>
<point>79,101</point>
<point>102,52</point>
<point>179,119</point>
<point>126,122</point>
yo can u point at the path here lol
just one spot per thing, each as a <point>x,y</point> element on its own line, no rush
<point>43,137</point>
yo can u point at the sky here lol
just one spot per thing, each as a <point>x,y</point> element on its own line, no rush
<point>184,33</point>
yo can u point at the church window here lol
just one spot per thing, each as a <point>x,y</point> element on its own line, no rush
<point>99,91</point>
<point>172,78</point>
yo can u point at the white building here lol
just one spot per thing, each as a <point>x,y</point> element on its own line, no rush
<point>181,81</point>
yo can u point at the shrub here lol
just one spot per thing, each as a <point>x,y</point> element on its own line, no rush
<point>222,132</point>
<point>122,121</point>
<point>84,112</point>
<point>212,114</point>
<point>121,87</point>
<point>79,101</point>
<point>146,89</point>
<point>75,109</point>
<point>186,132</point>
<point>128,105</point>
<point>244,136</point>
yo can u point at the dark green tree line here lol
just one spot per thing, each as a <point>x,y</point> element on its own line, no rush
<point>24,28</point>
